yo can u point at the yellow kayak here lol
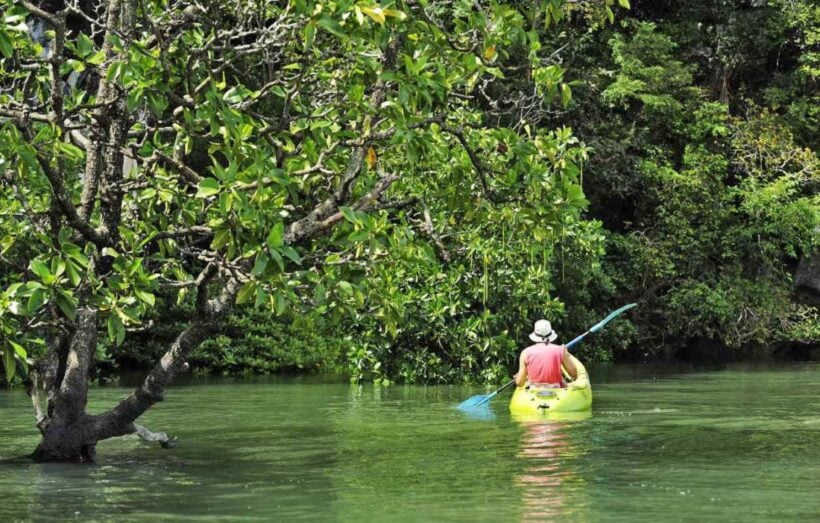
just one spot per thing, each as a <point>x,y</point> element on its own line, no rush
<point>576,397</point>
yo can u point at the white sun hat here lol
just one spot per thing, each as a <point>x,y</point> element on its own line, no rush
<point>542,332</point>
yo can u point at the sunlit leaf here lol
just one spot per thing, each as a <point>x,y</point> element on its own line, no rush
<point>276,235</point>
<point>375,13</point>
<point>371,157</point>
<point>208,187</point>
<point>146,297</point>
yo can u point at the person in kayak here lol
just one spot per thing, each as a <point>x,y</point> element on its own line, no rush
<point>540,364</point>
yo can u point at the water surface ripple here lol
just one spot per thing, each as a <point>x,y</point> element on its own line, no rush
<point>738,444</point>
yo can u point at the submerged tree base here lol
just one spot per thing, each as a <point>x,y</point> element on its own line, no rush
<point>77,442</point>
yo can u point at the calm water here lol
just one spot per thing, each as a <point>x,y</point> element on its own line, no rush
<point>739,444</point>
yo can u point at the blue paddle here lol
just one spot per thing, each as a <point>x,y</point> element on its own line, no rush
<point>484,399</point>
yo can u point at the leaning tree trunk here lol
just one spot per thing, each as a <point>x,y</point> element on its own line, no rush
<point>69,432</point>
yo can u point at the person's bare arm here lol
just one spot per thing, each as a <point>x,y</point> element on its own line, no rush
<point>569,365</point>
<point>521,376</point>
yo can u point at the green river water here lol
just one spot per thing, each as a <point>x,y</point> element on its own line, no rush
<point>663,444</point>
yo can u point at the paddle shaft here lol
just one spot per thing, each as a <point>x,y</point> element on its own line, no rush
<point>490,396</point>
<point>577,340</point>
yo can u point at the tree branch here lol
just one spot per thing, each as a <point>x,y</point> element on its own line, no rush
<point>162,438</point>
<point>458,132</point>
<point>24,115</point>
<point>106,95</point>
<point>190,176</point>
<point>67,209</point>
<point>196,230</point>
<point>314,222</point>
<point>209,313</point>
<point>430,230</point>
<point>51,18</point>
<point>362,203</point>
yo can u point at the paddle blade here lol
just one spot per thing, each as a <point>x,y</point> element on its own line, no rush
<point>473,402</point>
<point>481,413</point>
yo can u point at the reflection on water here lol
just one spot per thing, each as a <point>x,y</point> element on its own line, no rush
<point>548,471</point>
<point>542,446</point>
<point>735,445</point>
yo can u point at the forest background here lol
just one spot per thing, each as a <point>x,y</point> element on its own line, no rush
<point>686,135</point>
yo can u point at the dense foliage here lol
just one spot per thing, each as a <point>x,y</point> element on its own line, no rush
<point>400,189</point>
<point>703,121</point>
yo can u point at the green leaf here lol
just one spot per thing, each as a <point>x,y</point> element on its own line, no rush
<point>70,150</point>
<point>6,243</point>
<point>245,292</point>
<point>221,238</point>
<point>85,45</point>
<point>349,214</point>
<point>260,265</point>
<point>96,58</point>
<point>36,300</point>
<point>116,330</point>
<point>292,254</point>
<point>278,259</point>
<point>145,297</point>
<point>157,102</point>
<point>319,295</point>
<point>208,187</point>
<point>280,303</point>
<point>359,236</point>
<point>112,327</point>
<point>19,350</point>
<point>115,70</point>
<point>624,4</point>
<point>21,355</point>
<point>261,296</point>
<point>67,305</point>
<point>276,235</point>
<point>73,274</point>
<point>310,33</point>
<point>566,94</point>
<point>40,269</point>
<point>346,287</point>
<point>332,26</point>
<point>57,267</point>
<point>375,13</point>
<point>127,316</point>
<point>401,15</point>
<point>6,46</point>
<point>75,253</point>
<point>9,363</point>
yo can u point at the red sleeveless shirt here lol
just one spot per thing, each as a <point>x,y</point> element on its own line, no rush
<point>544,363</point>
